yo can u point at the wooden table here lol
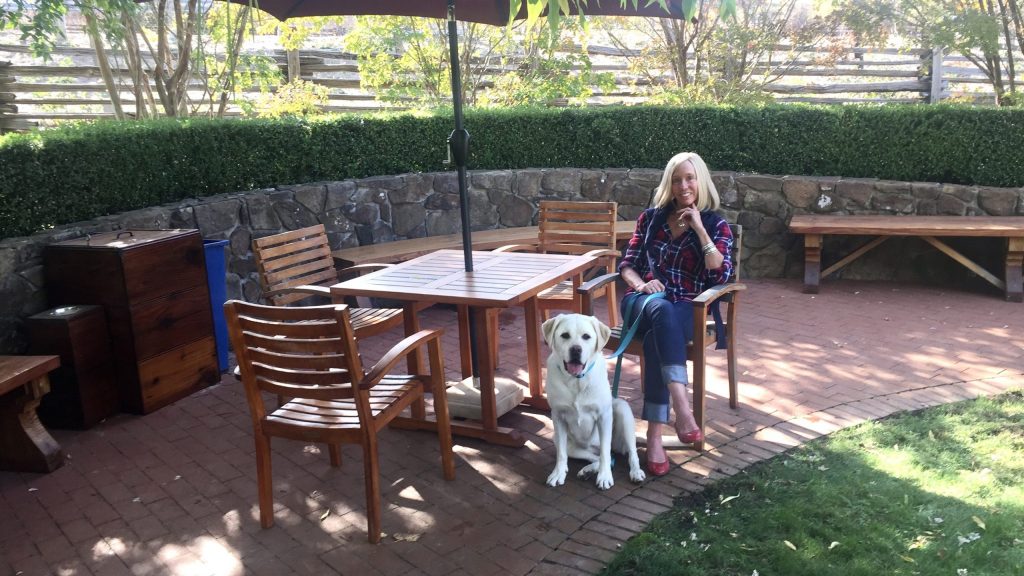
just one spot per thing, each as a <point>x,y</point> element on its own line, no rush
<point>499,280</point>
<point>25,445</point>
<point>814,227</point>
<point>399,250</point>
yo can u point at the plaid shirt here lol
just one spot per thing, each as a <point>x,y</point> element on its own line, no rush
<point>678,263</point>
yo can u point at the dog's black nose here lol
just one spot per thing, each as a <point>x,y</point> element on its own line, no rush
<point>574,353</point>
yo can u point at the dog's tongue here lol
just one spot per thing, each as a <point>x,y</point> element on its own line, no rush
<point>574,368</point>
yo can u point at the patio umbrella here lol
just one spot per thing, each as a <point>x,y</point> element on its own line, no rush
<point>496,12</point>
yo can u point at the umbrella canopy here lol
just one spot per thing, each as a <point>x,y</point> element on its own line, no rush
<point>495,12</point>
<point>484,11</point>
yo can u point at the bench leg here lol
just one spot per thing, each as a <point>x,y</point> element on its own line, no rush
<point>1014,260</point>
<point>25,445</point>
<point>812,263</point>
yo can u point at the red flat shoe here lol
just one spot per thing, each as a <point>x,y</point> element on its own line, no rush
<point>658,468</point>
<point>691,437</point>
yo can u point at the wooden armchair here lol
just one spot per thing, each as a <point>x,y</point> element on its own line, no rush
<point>576,228</point>
<point>297,264</point>
<point>705,329</point>
<point>309,355</point>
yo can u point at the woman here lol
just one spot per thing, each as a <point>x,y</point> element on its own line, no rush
<point>680,247</point>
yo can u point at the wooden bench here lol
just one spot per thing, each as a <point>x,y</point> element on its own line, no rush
<point>927,227</point>
<point>401,250</point>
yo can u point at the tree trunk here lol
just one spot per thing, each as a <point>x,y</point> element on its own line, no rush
<point>227,79</point>
<point>101,60</point>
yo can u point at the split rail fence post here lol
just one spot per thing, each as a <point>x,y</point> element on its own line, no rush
<point>935,95</point>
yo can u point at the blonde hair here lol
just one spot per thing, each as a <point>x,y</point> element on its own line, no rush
<point>707,194</point>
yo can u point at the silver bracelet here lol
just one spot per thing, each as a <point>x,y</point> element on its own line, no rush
<point>709,248</point>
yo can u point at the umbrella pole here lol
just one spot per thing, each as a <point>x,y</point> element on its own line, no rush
<point>458,141</point>
<point>458,144</point>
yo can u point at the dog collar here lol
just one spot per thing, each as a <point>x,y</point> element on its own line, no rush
<point>582,374</point>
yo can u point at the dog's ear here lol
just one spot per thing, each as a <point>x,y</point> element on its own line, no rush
<point>603,332</point>
<point>548,328</point>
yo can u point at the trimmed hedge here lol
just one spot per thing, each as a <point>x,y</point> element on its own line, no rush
<point>77,173</point>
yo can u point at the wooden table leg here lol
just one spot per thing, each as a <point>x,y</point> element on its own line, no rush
<point>414,362</point>
<point>464,350</point>
<point>812,263</point>
<point>1014,261</point>
<point>532,321</point>
<point>25,445</point>
<point>485,363</point>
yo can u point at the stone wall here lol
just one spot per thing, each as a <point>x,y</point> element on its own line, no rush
<point>381,209</point>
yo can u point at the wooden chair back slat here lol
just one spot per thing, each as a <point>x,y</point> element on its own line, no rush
<point>294,361</point>
<point>560,248</point>
<point>308,383</point>
<point>300,270</point>
<point>301,390</point>
<point>290,236</point>
<point>590,226</point>
<point>282,254</point>
<point>572,205</point>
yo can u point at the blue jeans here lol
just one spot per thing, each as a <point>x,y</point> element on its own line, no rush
<point>666,327</point>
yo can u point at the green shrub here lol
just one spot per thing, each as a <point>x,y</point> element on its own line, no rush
<point>77,173</point>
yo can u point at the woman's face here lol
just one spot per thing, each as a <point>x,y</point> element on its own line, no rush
<point>684,185</point>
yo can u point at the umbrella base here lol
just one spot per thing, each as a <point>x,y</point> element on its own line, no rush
<point>464,398</point>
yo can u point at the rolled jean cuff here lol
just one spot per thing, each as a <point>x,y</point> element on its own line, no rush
<point>655,412</point>
<point>674,373</point>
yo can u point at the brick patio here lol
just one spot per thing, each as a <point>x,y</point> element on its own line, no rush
<point>174,492</point>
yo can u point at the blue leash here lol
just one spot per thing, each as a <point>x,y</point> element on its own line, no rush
<point>626,337</point>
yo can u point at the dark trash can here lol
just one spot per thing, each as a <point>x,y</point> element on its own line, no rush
<point>216,278</point>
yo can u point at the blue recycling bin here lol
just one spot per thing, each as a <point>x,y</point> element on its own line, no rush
<point>216,274</point>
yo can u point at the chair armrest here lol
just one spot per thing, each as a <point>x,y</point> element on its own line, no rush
<point>717,292</point>
<point>368,267</point>
<point>407,346</point>
<point>592,285</point>
<point>603,253</point>
<point>516,248</point>
<point>310,289</point>
<point>360,269</point>
<point>588,289</point>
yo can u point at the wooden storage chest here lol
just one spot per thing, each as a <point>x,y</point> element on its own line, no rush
<point>152,284</point>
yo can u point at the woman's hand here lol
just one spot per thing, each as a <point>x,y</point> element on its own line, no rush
<point>651,287</point>
<point>691,217</point>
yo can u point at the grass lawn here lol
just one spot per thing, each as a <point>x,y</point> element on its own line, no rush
<point>934,492</point>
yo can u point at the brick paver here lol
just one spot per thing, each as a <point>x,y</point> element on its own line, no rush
<point>174,492</point>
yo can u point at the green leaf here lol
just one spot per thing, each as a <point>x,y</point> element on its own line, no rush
<point>554,15</point>
<point>727,11</point>
<point>534,8</point>
<point>513,9</point>
<point>690,9</point>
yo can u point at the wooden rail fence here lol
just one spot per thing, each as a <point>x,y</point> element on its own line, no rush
<point>34,92</point>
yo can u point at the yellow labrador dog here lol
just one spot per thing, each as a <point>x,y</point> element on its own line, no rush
<point>589,423</point>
